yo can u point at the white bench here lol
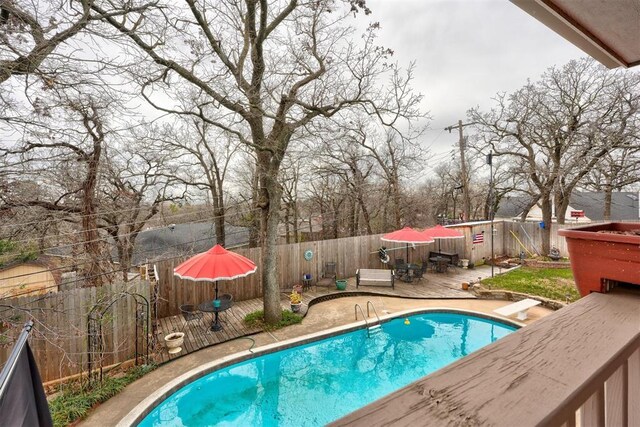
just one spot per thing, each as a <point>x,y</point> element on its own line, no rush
<point>374,277</point>
<point>519,307</point>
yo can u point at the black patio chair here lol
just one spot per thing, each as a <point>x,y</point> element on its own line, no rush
<point>224,299</point>
<point>418,272</point>
<point>400,268</point>
<point>329,271</point>
<point>329,275</point>
<point>191,314</point>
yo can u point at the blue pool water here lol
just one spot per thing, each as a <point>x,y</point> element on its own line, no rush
<point>317,383</point>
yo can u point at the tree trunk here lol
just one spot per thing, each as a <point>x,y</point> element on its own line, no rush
<point>608,190</point>
<point>356,220</point>
<point>561,204</point>
<point>547,219</point>
<point>218,210</point>
<point>296,228</point>
<point>351,209</point>
<point>487,206</point>
<point>385,213</point>
<point>215,190</point>
<point>254,219</point>
<point>92,269</point>
<point>286,224</point>
<point>125,259</point>
<point>269,204</point>
<point>220,227</point>
<point>397,203</point>
<point>365,213</point>
<point>527,208</point>
<point>323,218</point>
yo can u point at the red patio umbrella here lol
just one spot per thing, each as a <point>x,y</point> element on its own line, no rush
<point>407,235</point>
<point>439,233</point>
<point>215,264</point>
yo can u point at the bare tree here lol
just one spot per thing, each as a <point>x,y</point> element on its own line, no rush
<point>396,154</point>
<point>347,162</point>
<point>327,197</point>
<point>615,171</point>
<point>290,180</point>
<point>558,128</point>
<point>270,68</point>
<point>31,31</point>
<point>243,212</point>
<point>135,184</point>
<point>81,144</point>
<point>202,155</point>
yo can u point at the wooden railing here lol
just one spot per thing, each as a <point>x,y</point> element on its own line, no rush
<point>610,398</point>
<point>578,366</point>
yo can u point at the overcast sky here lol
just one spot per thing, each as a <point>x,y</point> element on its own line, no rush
<point>466,52</point>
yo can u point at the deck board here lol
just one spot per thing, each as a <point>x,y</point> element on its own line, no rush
<point>198,334</point>
<point>530,377</point>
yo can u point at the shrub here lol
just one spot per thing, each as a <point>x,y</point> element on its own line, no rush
<point>76,400</point>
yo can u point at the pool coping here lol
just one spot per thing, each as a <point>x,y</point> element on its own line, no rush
<point>142,409</point>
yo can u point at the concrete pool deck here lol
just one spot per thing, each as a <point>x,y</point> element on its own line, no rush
<point>320,317</point>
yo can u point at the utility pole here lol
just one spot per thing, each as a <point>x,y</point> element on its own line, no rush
<point>466,197</point>
<point>491,203</point>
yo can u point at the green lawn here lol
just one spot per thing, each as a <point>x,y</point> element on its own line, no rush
<point>553,283</point>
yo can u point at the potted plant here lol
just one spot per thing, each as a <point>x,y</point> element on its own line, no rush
<point>174,341</point>
<point>296,301</point>
<point>603,253</point>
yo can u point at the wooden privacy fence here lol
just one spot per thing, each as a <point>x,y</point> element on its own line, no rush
<point>59,336</point>
<point>349,254</point>
<point>530,234</point>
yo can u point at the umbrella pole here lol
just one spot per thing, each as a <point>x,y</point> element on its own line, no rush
<point>216,282</point>
<point>407,253</point>
<point>439,248</point>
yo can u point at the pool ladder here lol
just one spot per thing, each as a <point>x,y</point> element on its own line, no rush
<point>371,329</point>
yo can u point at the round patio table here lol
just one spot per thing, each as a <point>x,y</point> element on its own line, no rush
<point>407,272</point>
<point>208,307</point>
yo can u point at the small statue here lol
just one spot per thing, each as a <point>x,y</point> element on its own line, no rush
<point>554,254</point>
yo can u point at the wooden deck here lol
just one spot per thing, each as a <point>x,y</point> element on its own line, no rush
<point>198,335</point>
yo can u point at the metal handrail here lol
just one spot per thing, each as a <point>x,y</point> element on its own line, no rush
<point>366,321</point>
<point>355,309</point>
<point>369,303</point>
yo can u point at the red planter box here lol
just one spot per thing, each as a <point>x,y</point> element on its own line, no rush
<point>597,258</point>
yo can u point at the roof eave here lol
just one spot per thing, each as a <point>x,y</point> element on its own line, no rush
<point>554,18</point>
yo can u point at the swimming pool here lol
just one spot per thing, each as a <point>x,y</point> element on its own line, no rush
<point>319,382</point>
